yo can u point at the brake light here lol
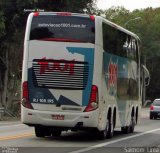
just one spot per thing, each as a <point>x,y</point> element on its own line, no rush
<point>25,90</point>
<point>25,96</point>
<point>93,101</point>
<point>64,13</point>
<point>151,107</point>
<point>92,17</point>
<point>36,14</point>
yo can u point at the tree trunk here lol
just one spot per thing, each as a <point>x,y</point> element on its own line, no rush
<point>4,91</point>
<point>0,89</point>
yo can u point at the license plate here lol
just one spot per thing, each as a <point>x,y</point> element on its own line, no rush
<point>58,117</point>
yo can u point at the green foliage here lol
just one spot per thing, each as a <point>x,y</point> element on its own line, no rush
<point>117,15</point>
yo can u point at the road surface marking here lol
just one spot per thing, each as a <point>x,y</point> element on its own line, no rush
<point>10,125</point>
<point>16,136</point>
<point>114,141</point>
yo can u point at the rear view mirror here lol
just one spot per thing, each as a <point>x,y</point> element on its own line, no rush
<point>146,75</point>
<point>147,103</point>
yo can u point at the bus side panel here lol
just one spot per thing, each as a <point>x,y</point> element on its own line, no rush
<point>116,84</point>
<point>25,48</point>
<point>97,80</point>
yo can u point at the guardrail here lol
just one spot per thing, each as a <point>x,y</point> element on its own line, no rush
<point>4,111</point>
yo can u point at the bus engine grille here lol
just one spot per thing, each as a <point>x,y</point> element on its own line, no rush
<point>60,74</point>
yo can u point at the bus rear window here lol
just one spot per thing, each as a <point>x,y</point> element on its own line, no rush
<point>63,28</point>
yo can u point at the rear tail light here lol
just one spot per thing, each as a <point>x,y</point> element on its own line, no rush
<point>36,14</point>
<point>92,17</point>
<point>25,96</point>
<point>151,107</point>
<point>93,101</point>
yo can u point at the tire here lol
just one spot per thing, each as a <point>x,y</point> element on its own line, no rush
<point>103,134</point>
<point>110,131</point>
<point>132,124</point>
<point>125,129</point>
<point>130,128</point>
<point>151,116</point>
<point>39,132</point>
<point>56,133</point>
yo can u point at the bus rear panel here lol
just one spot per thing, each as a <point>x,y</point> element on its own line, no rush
<point>58,70</point>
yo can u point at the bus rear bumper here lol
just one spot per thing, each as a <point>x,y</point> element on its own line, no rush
<point>70,120</point>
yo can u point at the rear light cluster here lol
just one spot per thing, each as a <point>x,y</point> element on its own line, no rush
<point>25,96</point>
<point>92,17</point>
<point>93,101</point>
<point>64,14</point>
<point>151,107</point>
<point>58,13</point>
<point>36,14</point>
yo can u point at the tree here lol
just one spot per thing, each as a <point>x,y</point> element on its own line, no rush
<point>118,15</point>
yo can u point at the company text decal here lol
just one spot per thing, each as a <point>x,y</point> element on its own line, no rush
<point>56,66</point>
<point>112,72</point>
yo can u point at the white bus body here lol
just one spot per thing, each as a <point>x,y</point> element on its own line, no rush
<point>72,80</point>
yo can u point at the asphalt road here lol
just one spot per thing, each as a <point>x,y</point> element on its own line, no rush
<point>16,138</point>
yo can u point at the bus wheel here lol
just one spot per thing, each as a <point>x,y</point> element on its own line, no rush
<point>151,116</point>
<point>110,131</point>
<point>56,133</point>
<point>39,132</point>
<point>125,129</point>
<point>103,134</point>
<point>132,124</point>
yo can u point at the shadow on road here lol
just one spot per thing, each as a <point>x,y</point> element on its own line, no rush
<point>83,136</point>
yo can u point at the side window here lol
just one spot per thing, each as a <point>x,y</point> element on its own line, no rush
<point>132,50</point>
<point>137,51</point>
<point>109,38</point>
<point>114,41</point>
<point>119,43</point>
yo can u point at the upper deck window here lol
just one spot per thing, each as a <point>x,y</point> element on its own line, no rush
<point>119,43</point>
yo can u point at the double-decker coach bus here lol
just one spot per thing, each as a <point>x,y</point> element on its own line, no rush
<point>79,72</point>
